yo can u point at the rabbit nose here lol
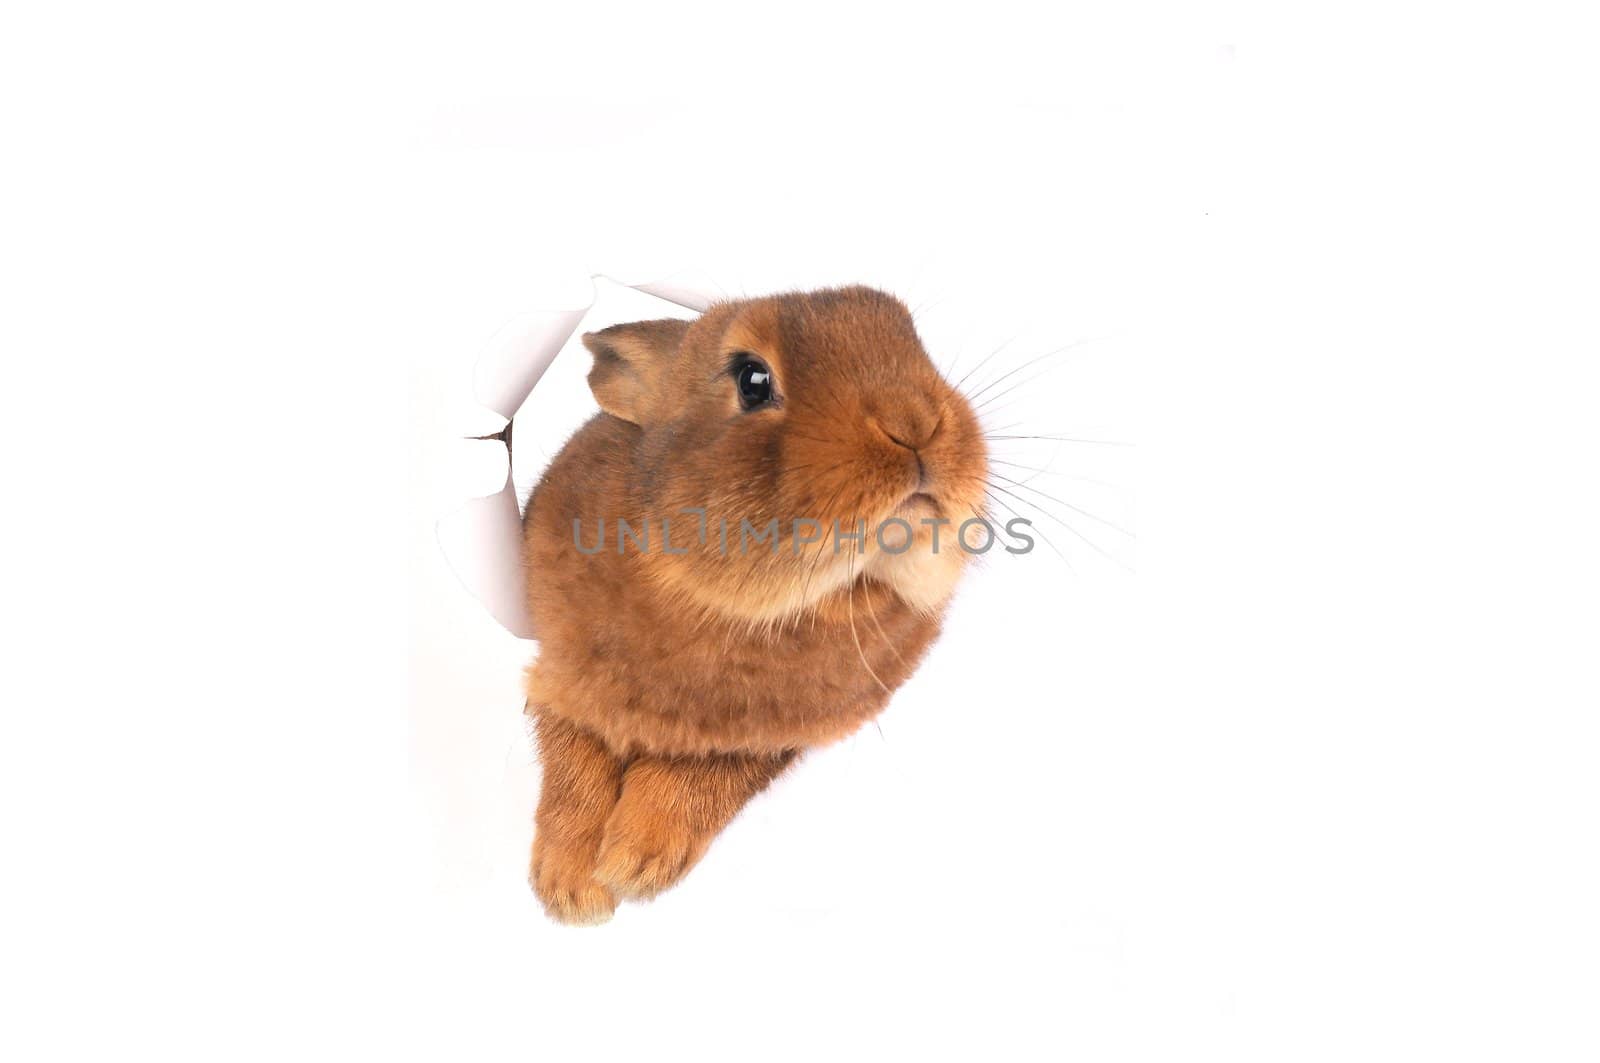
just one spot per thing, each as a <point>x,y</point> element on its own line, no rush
<point>913,437</point>
<point>912,430</point>
<point>904,442</point>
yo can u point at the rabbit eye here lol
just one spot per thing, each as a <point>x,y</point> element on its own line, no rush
<point>754,381</point>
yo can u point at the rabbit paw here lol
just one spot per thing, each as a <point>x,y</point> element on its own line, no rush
<point>643,855</point>
<point>564,881</point>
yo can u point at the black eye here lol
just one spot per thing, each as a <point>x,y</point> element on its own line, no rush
<point>754,381</point>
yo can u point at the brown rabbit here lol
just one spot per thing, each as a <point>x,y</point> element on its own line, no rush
<point>689,648</point>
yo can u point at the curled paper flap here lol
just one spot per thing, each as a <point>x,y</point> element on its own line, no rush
<point>483,543</point>
<point>675,292</point>
<point>482,540</point>
<point>517,357</point>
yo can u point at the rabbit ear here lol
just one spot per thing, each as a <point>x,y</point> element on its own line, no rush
<point>630,364</point>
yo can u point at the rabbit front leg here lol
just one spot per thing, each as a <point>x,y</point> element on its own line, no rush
<point>582,781</point>
<point>669,812</point>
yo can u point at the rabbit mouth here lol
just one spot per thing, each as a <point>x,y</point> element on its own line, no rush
<point>919,502</point>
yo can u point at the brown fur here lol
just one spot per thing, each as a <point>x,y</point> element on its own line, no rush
<point>670,688</point>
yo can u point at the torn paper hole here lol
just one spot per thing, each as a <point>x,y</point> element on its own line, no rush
<point>534,374</point>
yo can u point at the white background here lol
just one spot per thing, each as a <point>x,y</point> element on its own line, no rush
<point>1316,782</point>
